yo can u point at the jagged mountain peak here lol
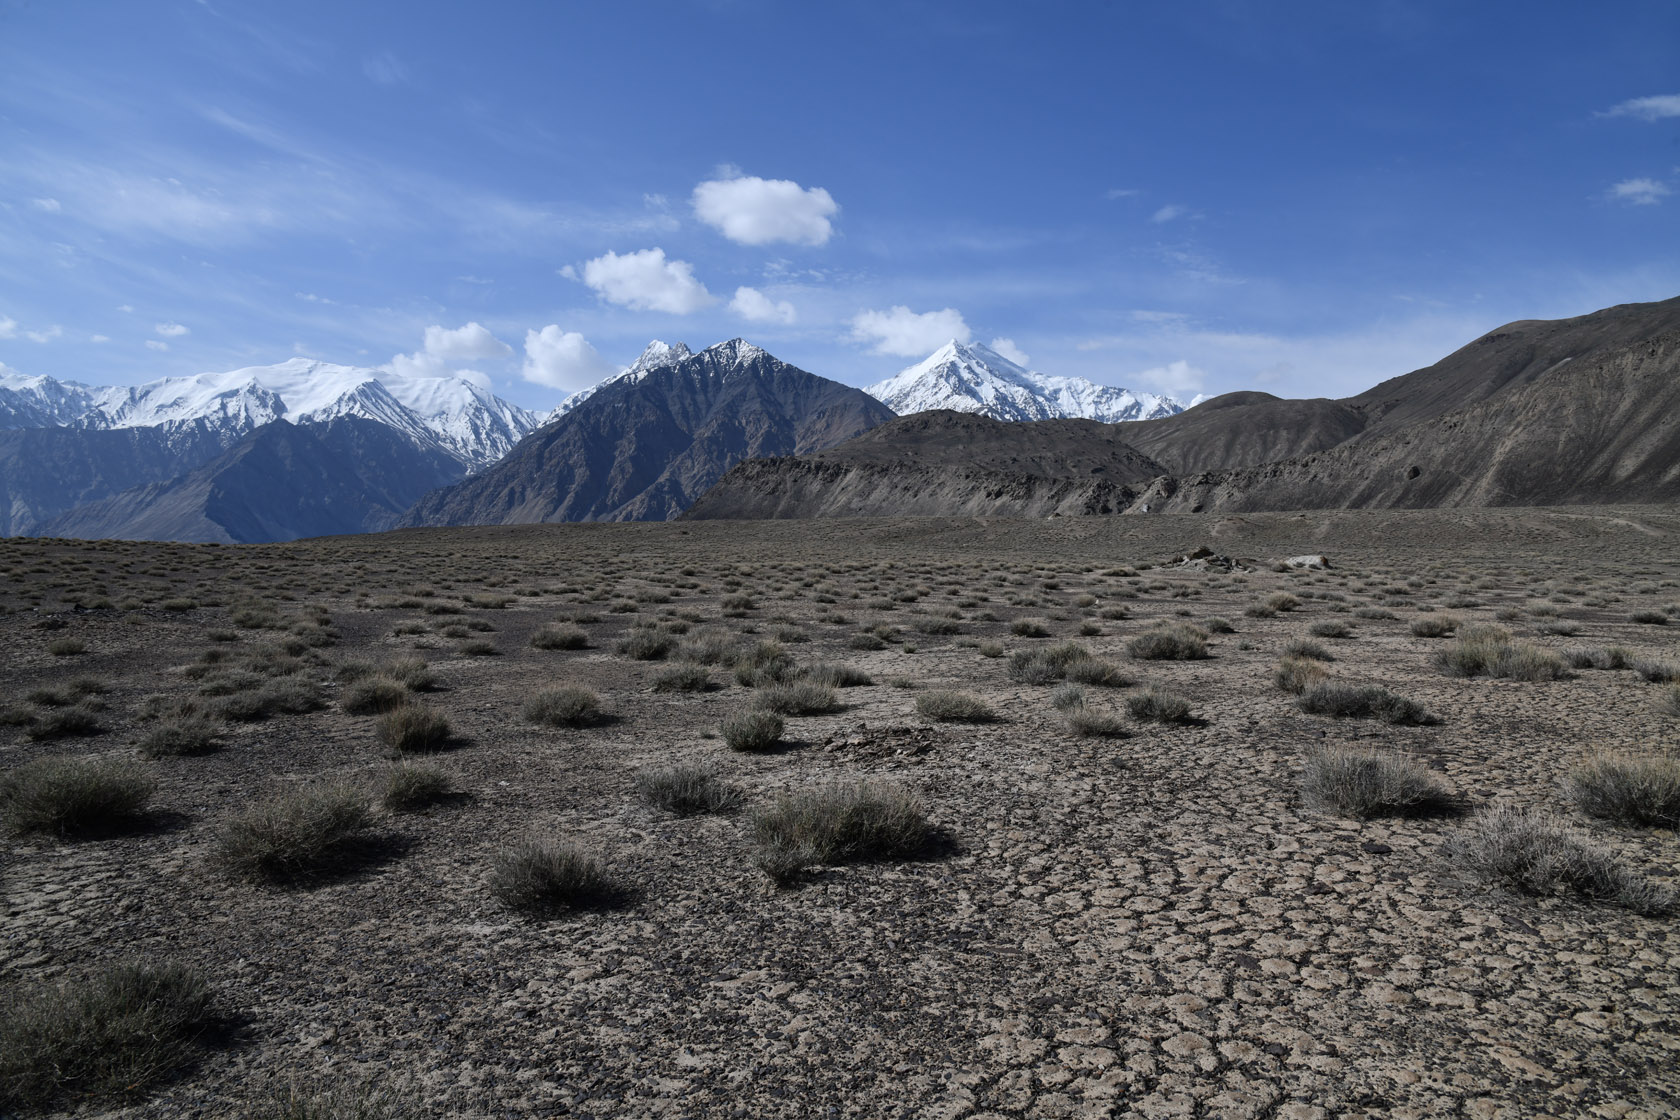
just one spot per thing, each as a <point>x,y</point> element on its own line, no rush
<point>972,377</point>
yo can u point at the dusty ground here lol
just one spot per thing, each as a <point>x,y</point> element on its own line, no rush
<point>1153,926</point>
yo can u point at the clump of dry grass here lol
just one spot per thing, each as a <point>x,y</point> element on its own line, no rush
<point>646,645</point>
<point>948,706</point>
<point>1351,782</point>
<point>1434,626</point>
<point>1177,641</point>
<point>1537,854</point>
<point>564,706</point>
<point>766,663</point>
<point>1043,666</point>
<point>1330,628</point>
<point>1297,674</point>
<point>685,678</point>
<point>1304,648</point>
<point>373,694</point>
<point>414,728</point>
<point>73,796</point>
<point>752,731</point>
<point>1089,724</point>
<point>109,1035</point>
<point>1635,790</point>
<point>832,675</point>
<point>1581,657</point>
<point>1353,701</point>
<point>841,823</point>
<point>560,635</point>
<point>541,876</point>
<point>408,786</point>
<point>1488,651</point>
<point>802,698</point>
<point>299,831</point>
<point>688,789</point>
<point>181,735</point>
<point>1157,705</point>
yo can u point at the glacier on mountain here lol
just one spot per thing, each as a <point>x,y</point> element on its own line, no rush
<point>970,377</point>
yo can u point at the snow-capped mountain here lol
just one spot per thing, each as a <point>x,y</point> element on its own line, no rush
<point>969,377</point>
<point>451,414</point>
<point>655,355</point>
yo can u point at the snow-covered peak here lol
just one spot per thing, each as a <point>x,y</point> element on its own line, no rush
<point>657,354</point>
<point>970,377</point>
<point>737,351</point>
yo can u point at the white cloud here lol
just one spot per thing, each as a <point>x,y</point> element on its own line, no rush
<point>126,309</point>
<point>562,359</point>
<point>756,307</point>
<point>1646,108</point>
<point>753,211</point>
<point>47,335</point>
<point>99,338</point>
<point>646,281</point>
<point>154,344</point>
<point>1640,192</point>
<point>441,348</point>
<point>903,332</point>
<point>8,327</point>
<point>1007,347</point>
<point>171,330</point>
<point>1168,213</point>
<point>50,205</point>
<point>1122,192</point>
<point>1176,379</point>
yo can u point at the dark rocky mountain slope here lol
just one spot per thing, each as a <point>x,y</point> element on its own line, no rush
<point>643,448</point>
<point>281,482</point>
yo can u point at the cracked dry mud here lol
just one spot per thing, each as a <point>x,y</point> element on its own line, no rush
<point>1152,926</point>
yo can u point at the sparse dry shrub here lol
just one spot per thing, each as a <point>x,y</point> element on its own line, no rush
<point>1310,650</point>
<point>1352,782</point>
<point>1029,628</point>
<point>478,647</point>
<point>688,789</point>
<point>1435,626</point>
<point>1353,701</point>
<point>685,678</point>
<point>1178,641</point>
<point>73,796</point>
<point>1043,666</point>
<point>414,728</point>
<point>766,663</point>
<point>865,642</point>
<point>66,647</point>
<point>1217,625</point>
<point>297,832</point>
<point>709,647</point>
<point>408,786</point>
<point>1633,790</point>
<point>1488,651</point>
<point>1649,618</point>
<point>347,1101</point>
<point>833,675</point>
<point>73,722</point>
<point>560,635</point>
<point>413,672</point>
<point>104,1037</point>
<point>1090,724</point>
<point>802,698</point>
<point>842,823</point>
<point>1157,705</point>
<point>947,706</point>
<point>183,735</point>
<point>372,695</point>
<point>1331,628</point>
<point>646,645</point>
<point>1099,673</point>
<point>1374,614</point>
<point>1259,610</point>
<point>752,731</point>
<point>289,695</point>
<point>1067,697</point>
<point>1581,657</point>
<point>541,876</point>
<point>1670,702</point>
<point>563,706</point>
<point>1655,669</point>
<point>1297,674</point>
<point>1534,853</point>
<point>1282,601</point>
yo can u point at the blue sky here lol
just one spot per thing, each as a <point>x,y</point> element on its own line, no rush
<point>1298,197</point>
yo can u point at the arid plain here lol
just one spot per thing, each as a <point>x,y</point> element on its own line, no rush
<point>1129,897</point>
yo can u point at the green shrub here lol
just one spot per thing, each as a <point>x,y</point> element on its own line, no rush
<point>947,706</point>
<point>407,786</point>
<point>557,635</point>
<point>297,832</point>
<point>1536,854</point>
<point>838,824</point>
<point>541,876</point>
<point>106,1037</point>
<point>752,731</point>
<point>1628,790</point>
<point>1352,701</point>
<point>1155,705</point>
<point>1172,642</point>
<point>687,789</point>
<point>802,698</point>
<point>413,728</point>
<point>73,796</point>
<point>372,695</point>
<point>1351,782</point>
<point>563,706</point>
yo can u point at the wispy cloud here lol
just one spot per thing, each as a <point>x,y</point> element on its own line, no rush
<point>1655,108</point>
<point>384,69</point>
<point>1640,192</point>
<point>1169,212</point>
